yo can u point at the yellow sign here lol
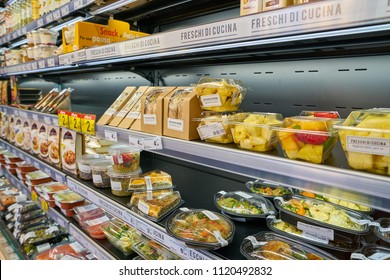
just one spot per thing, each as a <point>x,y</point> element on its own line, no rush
<point>34,197</point>
<point>75,122</point>
<point>44,205</point>
<point>88,124</point>
<point>87,34</point>
<point>63,118</point>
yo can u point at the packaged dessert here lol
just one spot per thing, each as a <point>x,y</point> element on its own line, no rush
<point>117,105</point>
<point>26,135</point>
<point>84,165</point>
<point>151,250</point>
<point>220,95</point>
<point>38,177</point>
<point>35,137</point>
<point>152,109</point>
<point>19,136</point>
<point>272,246</point>
<point>256,132</point>
<point>200,228</point>
<point>364,137</point>
<point>216,126</point>
<point>267,189</point>
<point>43,141</point>
<point>119,182</point>
<point>125,158</point>
<point>181,106</point>
<point>68,199</point>
<point>156,206</point>
<point>121,235</point>
<point>307,138</point>
<point>47,36</point>
<point>71,146</point>
<point>53,141</point>
<point>95,227</point>
<point>100,176</point>
<point>155,180</point>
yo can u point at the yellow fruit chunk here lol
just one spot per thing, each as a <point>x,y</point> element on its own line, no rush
<point>360,161</point>
<point>375,122</point>
<point>289,143</point>
<point>313,125</point>
<point>239,133</point>
<point>291,154</point>
<point>311,153</point>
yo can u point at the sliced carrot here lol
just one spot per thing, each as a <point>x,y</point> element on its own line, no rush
<point>309,194</point>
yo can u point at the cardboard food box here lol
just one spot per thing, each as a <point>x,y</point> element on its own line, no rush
<point>42,142</point>
<point>71,147</point>
<point>181,106</point>
<point>124,116</point>
<point>269,5</point>
<point>54,145</point>
<point>27,135</point>
<point>59,102</point>
<point>133,117</point>
<point>117,105</point>
<point>86,34</point>
<point>248,7</point>
<point>19,137</point>
<point>34,130</point>
<point>152,109</point>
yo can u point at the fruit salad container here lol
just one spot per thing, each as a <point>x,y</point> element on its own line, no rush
<point>243,206</point>
<point>120,181</point>
<point>151,250</point>
<point>372,252</point>
<point>84,165</point>
<point>271,246</point>
<point>215,127</point>
<point>365,138</point>
<point>68,199</point>
<point>321,114</point>
<point>220,94</point>
<point>125,158</point>
<point>155,180</point>
<point>382,231</point>
<point>38,177</point>
<point>267,189</point>
<point>256,131</point>
<point>100,177</point>
<point>307,138</point>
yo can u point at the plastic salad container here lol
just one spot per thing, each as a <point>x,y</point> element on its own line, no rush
<point>49,189</point>
<point>321,114</point>
<point>345,204</point>
<point>271,246</point>
<point>68,199</point>
<point>256,132</point>
<point>38,177</point>
<point>120,181</point>
<point>65,251</point>
<point>382,231</point>
<point>88,212</point>
<point>95,227</point>
<point>363,136</point>
<point>215,127</point>
<point>125,158</point>
<point>200,228</point>
<point>150,250</point>
<point>267,189</point>
<point>307,138</point>
<point>84,163</point>
<point>372,252</point>
<point>220,94</point>
<point>341,246</point>
<point>47,36</point>
<point>100,177</point>
<point>154,205</point>
<point>11,158</point>
<point>243,204</point>
<point>122,236</point>
<point>301,211</point>
<point>155,180</point>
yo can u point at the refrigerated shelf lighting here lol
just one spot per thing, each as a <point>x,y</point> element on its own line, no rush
<point>74,20</point>
<point>18,43</point>
<point>112,6</point>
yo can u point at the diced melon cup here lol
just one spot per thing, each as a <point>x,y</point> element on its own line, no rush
<point>256,132</point>
<point>365,139</point>
<point>307,138</point>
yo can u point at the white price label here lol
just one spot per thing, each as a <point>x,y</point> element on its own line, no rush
<point>8,216</point>
<point>116,186</point>
<point>210,215</point>
<point>319,232</point>
<point>14,206</point>
<point>148,181</point>
<point>20,198</point>
<point>41,64</point>
<point>43,247</point>
<point>143,207</point>
<point>134,115</point>
<point>211,100</point>
<point>59,178</point>
<point>23,114</point>
<point>48,171</point>
<point>49,18</point>
<point>136,142</point>
<point>56,14</point>
<point>154,143</point>
<point>244,195</point>
<point>77,247</point>
<point>210,130</point>
<point>51,62</point>
<point>175,124</point>
<point>81,55</point>
<point>34,66</point>
<point>24,30</point>
<point>35,117</point>
<point>77,4</point>
<point>110,135</point>
<point>9,226</point>
<point>150,119</point>
<point>379,256</point>
<point>220,239</point>
<point>368,145</point>
<point>51,230</point>
<point>97,178</point>
<point>98,221</point>
<point>178,248</point>
<point>65,10</point>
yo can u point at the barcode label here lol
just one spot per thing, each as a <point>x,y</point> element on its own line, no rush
<point>150,119</point>
<point>97,178</point>
<point>143,207</point>
<point>210,215</point>
<point>316,232</point>
<point>116,186</point>
<point>175,124</point>
<point>77,247</point>
<point>211,100</point>
<point>210,130</point>
<point>368,145</point>
<point>244,195</point>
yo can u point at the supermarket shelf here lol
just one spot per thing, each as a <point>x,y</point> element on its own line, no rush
<point>360,187</point>
<point>31,115</point>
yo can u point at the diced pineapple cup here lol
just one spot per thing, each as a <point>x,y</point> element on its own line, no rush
<point>256,132</point>
<point>220,95</point>
<point>307,138</point>
<point>365,138</point>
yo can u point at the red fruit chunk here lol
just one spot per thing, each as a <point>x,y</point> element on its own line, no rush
<point>331,115</point>
<point>127,157</point>
<point>313,139</point>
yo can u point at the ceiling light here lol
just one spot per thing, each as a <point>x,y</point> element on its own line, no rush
<point>60,26</point>
<point>112,6</point>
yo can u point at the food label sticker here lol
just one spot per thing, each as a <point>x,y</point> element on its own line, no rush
<point>210,215</point>
<point>368,145</point>
<point>154,143</point>
<point>10,226</point>
<point>110,111</point>
<point>87,208</point>
<point>149,195</point>
<point>211,100</point>
<point>116,186</point>
<point>35,117</point>
<point>254,242</point>
<point>26,236</point>
<point>97,178</point>
<point>8,216</point>
<point>264,208</point>
<point>148,181</point>
<point>358,256</point>
<point>150,119</point>
<point>20,198</point>
<point>244,195</point>
<point>136,142</point>
<point>379,256</point>
<point>318,232</point>
<point>134,115</point>
<point>110,135</point>
<point>319,239</point>
<point>210,130</point>
<point>97,221</point>
<point>175,124</point>
<point>43,247</point>
<point>51,230</point>
<point>143,207</point>
<point>120,159</point>
<point>14,206</point>
<point>184,209</point>
<point>219,238</point>
<point>121,114</point>
<point>77,247</point>
<point>84,168</point>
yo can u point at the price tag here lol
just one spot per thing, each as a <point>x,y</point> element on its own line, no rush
<point>35,117</point>
<point>28,160</point>
<point>110,135</point>
<point>88,124</point>
<point>63,118</point>
<point>39,22</point>
<point>34,196</point>
<point>51,62</point>
<point>49,18</point>
<point>319,233</point>
<point>136,142</point>
<point>59,178</point>
<point>65,10</point>
<point>47,120</point>
<point>24,30</point>
<point>36,164</point>
<point>44,205</point>
<point>56,14</point>
<point>75,122</point>
<point>41,64</point>
<point>211,130</point>
<point>77,4</point>
<point>178,248</point>
<point>154,143</point>
<point>48,171</point>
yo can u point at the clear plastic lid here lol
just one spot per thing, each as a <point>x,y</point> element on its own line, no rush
<point>224,117</point>
<point>260,119</point>
<point>127,175</point>
<point>36,175</point>
<point>201,228</point>
<point>267,189</point>
<point>321,114</point>
<point>101,165</point>
<point>306,124</point>
<point>382,230</point>
<point>371,120</point>
<point>88,159</point>
<point>88,212</point>
<point>68,197</point>
<point>150,250</point>
<point>53,187</point>
<point>271,246</point>
<point>122,149</point>
<point>243,204</point>
<point>155,179</point>
<point>372,252</point>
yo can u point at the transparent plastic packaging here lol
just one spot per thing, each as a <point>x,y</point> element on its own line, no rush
<point>95,227</point>
<point>38,177</point>
<point>100,177</point>
<point>267,189</point>
<point>157,179</point>
<point>72,251</point>
<point>382,231</point>
<point>120,182</point>
<point>125,158</point>
<point>150,250</point>
<point>84,165</point>
<point>49,189</point>
<point>88,212</point>
<point>321,114</point>
<point>372,252</point>
<point>68,199</point>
